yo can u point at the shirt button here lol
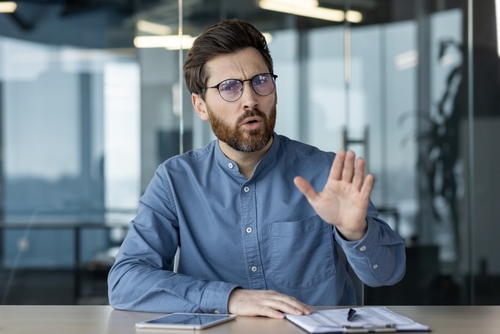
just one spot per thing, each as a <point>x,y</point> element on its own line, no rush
<point>230,165</point>
<point>216,312</point>
<point>375,266</point>
<point>246,189</point>
<point>248,230</point>
<point>254,269</point>
<point>363,248</point>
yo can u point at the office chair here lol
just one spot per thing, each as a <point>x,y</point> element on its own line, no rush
<point>359,286</point>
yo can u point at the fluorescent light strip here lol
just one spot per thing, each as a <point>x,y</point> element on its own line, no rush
<point>299,3</point>
<point>153,28</point>
<point>300,9</point>
<point>353,16</point>
<point>8,7</point>
<point>314,12</point>
<point>170,42</point>
<point>268,37</point>
<point>406,60</point>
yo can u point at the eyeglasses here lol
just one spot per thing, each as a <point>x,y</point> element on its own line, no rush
<point>231,89</point>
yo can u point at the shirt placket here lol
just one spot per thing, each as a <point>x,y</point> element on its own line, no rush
<point>254,266</point>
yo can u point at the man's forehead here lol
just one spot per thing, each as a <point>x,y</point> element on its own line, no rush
<point>236,65</point>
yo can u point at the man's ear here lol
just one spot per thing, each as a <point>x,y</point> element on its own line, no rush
<point>199,106</point>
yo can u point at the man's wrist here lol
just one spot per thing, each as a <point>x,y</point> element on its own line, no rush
<point>215,297</point>
<point>350,235</point>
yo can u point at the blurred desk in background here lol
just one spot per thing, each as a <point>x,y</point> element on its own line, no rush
<point>57,284</point>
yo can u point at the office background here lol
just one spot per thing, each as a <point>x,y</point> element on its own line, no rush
<point>89,109</point>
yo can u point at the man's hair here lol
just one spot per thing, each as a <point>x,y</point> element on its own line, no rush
<point>226,37</point>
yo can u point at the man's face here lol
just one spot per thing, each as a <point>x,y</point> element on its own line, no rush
<point>246,124</point>
<point>240,138</point>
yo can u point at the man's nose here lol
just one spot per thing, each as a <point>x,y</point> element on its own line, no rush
<point>249,97</point>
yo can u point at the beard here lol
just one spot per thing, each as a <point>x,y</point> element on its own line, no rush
<point>241,140</point>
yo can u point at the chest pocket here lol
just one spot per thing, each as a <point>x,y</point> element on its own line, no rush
<point>302,252</point>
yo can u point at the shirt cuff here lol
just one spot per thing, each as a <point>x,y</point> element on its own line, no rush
<point>215,297</point>
<point>367,245</point>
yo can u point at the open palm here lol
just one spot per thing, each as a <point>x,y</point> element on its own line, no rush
<point>344,199</point>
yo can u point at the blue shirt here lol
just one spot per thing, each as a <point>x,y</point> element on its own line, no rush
<point>257,233</point>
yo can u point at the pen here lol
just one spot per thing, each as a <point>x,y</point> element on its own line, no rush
<point>351,314</point>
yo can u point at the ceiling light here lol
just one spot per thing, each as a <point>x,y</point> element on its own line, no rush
<point>153,28</point>
<point>353,16</point>
<point>8,7</point>
<point>300,3</point>
<point>406,60</point>
<point>171,42</point>
<point>309,8</point>
<point>268,37</point>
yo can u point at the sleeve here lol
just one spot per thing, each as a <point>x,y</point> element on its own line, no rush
<point>379,258</point>
<point>142,277</point>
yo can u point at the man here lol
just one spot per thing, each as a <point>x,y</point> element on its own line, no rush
<point>255,237</point>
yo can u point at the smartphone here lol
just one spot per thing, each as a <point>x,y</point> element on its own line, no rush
<point>186,321</point>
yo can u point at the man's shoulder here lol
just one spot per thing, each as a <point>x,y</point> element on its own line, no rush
<point>302,149</point>
<point>192,158</point>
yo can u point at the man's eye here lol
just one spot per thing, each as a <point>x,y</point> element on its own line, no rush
<point>229,86</point>
<point>259,80</point>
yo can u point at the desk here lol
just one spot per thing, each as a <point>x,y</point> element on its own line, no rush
<point>105,320</point>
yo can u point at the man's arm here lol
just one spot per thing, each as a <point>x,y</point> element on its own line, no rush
<point>379,257</point>
<point>373,249</point>
<point>142,279</point>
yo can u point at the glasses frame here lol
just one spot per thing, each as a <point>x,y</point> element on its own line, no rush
<point>273,77</point>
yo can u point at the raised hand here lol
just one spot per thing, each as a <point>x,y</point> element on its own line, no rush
<point>344,199</point>
<point>266,303</point>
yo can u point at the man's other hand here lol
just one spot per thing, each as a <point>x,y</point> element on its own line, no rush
<point>266,303</point>
<point>343,202</point>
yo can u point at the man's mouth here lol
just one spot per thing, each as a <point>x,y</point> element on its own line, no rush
<point>252,123</point>
<point>251,119</point>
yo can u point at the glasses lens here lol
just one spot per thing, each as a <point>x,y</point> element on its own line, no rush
<point>263,84</point>
<point>231,90</point>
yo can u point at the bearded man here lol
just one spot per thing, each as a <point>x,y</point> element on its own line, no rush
<point>255,237</point>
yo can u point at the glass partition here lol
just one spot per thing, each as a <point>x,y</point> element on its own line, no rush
<point>70,162</point>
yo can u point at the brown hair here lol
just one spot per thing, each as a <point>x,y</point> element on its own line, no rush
<point>226,37</point>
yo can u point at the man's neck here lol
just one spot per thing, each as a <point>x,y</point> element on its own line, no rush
<point>246,161</point>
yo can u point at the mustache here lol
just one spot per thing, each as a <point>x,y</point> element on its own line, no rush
<point>252,113</point>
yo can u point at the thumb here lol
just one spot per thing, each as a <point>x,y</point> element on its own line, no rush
<point>305,188</point>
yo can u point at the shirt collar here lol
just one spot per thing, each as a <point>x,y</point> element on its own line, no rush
<point>229,164</point>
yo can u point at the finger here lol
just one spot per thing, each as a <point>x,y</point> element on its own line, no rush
<point>305,188</point>
<point>271,313</point>
<point>287,304</point>
<point>337,166</point>
<point>367,186</point>
<point>348,170</point>
<point>359,173</point>
<point>299,306</point>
